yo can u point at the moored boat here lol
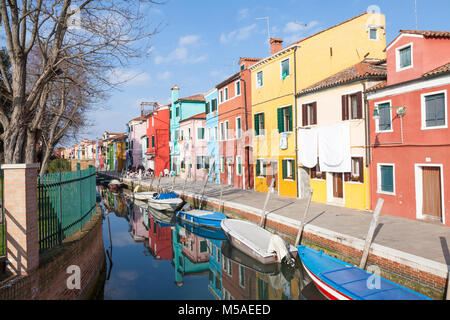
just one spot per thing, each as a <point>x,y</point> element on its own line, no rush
<point>258,243</point>
<point>202,218</point>
<point>338,280</point>
<point>160,201</point>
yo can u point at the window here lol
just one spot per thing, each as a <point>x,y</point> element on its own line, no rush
<point>373,34</point>
<point>203,246</point>
<point>222,164</point>
<point>309,114</point>
<point>221,132</point>
<point>215,133</point>
<point>213,105</point>
<point>238,87</point>
<point>189,133</point>
<point>221,96</point>
<point>285,119</point>
<point>316,173</point>
<point>259,124</point>
<point>239,165</point>
<point>153,141</point>
<point>404,57</point>
<point>385,121</point>
<point>202,162</point>
<point>434,110</point>
<point>242,276</point>
<point>242,67</point>
<point>201,133</point>
<point>207,107</point>
<point>177,135</point>
<point>288,169</point>
<point>226,94</point>
<point>352,106</point>
<point>147,143</point>
<point>131,128</point>
<point>285,69</point>
<point>261,170</point>
<point>227,127</point>
<point>386,179</point>
<point>259,79</point>
<point>238,128</point>
<point>177,111</point>
<point>153,122</point>
<point>357,173</point>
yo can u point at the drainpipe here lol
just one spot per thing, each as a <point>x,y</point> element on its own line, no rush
<point>367,146</point>
<point>247,149</point>
<point>295,117</point>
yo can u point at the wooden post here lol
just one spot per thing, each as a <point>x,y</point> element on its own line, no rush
<point>159,182</point>
<point>303,221</point>
<point>204,185</point>
<point>185,180</point>
<point>151,183</point>
<point>447,296</point>
<point>371,232</point>
<point>263,212</point>
<point>221,194</point>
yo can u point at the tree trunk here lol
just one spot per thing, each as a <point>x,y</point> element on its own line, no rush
<point>45,159</point>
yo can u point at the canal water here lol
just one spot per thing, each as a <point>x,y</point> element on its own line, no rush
<point>152,256</point>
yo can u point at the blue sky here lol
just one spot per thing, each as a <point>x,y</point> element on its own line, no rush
<point>201,42</point>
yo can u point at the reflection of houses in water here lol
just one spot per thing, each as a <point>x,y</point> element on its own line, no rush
<point>159,239</point>
<point>276,287</point>
<point>190,254</point>
<point>238,281</point>
<point>215,268</point>
<point>138,230</point>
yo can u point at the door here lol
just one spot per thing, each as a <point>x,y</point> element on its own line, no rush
<point>275,175</point>
<point>230,174</point>
<point>432,201</point>
<point>338,186</point>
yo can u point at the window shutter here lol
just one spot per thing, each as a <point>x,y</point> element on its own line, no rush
<point>347,176</point>
<point>361,169</point>
<point>304,115</point>
<point>314,113</point>
<point>359,101</point>
<point>207,107</point>
<point>284,167</point>
<point>263,124</point>
<point>293,169</point>
<point>280,120</point>
<point>290,119</point>
<point>256,125</point>
<point>345,107</point>
<point>258,173</point>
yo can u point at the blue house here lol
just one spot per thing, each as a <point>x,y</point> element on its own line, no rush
<point>181,109</point>
<point>212,127</point>
<point>215,268</point>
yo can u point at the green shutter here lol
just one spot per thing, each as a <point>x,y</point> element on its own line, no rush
<point>284,168</point>
<point>280,120</point>
<point>258,173</point>
<point>290,119</point>
<point>256,125</point>
<point>293,169</point>
<point>263,123</point>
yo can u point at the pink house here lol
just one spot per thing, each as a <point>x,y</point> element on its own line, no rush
<point>136,138</point>
<point>193,148</point>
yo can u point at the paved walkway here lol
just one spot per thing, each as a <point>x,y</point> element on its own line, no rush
<point>426,240</point>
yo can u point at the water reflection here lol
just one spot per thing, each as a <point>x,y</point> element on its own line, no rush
<point>158,257</point>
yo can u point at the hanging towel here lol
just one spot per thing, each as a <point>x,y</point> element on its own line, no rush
<point>307,146</point>
<point>334,148</point>
<point>283,141</point>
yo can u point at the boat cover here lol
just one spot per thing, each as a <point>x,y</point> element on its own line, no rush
<point>166,196</point>
<point>278,245</point>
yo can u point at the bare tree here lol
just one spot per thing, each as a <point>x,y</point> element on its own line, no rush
<point>91,36</point>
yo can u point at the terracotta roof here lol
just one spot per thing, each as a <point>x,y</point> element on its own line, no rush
<point>197,97</point>
<point>360,71</point>
<point>227,81</point>
<point>428,33</point>
<point>249,59</point>
<point>141,118</point>
<point>439,70</point>
<point>200,116</point>
<point>378,86</point>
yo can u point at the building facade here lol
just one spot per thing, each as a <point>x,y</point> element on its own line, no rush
<point>212,132</point>
<point>409,131</point>
<point>137,129</point>
<point>157,153</point>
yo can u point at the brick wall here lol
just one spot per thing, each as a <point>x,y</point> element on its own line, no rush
<point>50,280</point>
<point>84,164</point>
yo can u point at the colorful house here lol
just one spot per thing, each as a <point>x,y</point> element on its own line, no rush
<point>212,129</point>
<point>277,78</point>
<point>157,154</point>
<point>238,281</point>
<point>159,239</point>
<point>180,109</point>
<point>235,123</point>
<point>409,131</point>
<point>193,150</point>
<point>334,124</point>
<point>215,268</point>
<point>137,128</point>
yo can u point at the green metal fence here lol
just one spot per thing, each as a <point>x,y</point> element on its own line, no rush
<point>67,201</point>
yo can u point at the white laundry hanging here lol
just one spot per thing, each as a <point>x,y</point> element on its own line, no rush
<point>283,141</point>
<point>334,148</point>
<point>307,146</point>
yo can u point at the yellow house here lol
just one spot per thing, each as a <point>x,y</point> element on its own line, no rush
<point>277,78</point>
<point>339,174</point>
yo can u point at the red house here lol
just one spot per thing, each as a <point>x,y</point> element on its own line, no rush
<point>158,137</point>
<point>409,133</point>
<point>235,127</point>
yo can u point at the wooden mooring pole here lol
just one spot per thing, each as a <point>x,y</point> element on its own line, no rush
<point>263,212</point>
<point>206,182</point>
<point>303,221</point>
<point>371,232</point>
<point>221,194</point>
<point>186,180</point>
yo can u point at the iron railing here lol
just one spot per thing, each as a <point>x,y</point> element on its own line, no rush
<point>67,201</point>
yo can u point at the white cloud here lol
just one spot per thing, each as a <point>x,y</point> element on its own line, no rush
<point>243,14</point>
<point>238,35</point>
<point>183,53</point>
<point>165,75</point>
<point>294,31</point>
<point>129,77</point>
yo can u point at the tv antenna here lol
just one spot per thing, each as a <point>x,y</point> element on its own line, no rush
<point>268,29</point>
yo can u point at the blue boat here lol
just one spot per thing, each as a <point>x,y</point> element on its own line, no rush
<point>202,218</point>
<point>338,280</point>
<point>206,233</point>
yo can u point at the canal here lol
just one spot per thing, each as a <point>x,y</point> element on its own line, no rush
<point>151,256</point>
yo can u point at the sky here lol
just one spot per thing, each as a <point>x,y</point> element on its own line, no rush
<point>200,42</point>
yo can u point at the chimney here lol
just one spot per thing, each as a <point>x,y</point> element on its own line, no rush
<point>276,45</point>
<point>175,93</point>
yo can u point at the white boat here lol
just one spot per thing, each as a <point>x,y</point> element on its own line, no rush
<point>143,196</point>
<point>258,243</point>
<point>165,204</point>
